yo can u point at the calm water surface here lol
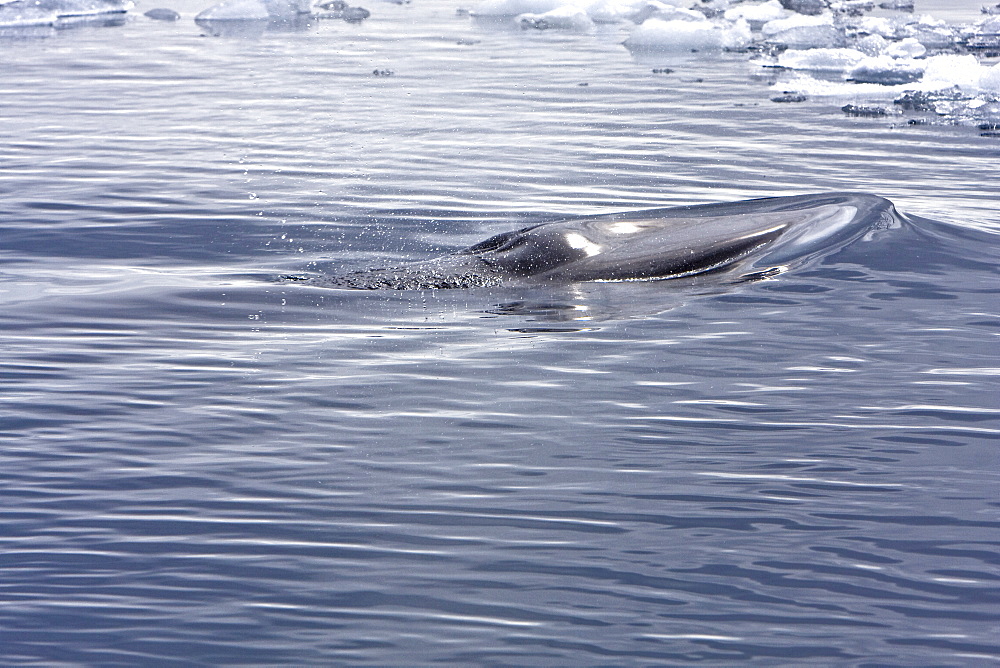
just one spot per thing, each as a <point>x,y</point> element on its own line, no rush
<point>202,465</point>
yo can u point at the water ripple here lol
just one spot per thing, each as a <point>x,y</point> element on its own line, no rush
<point>205,465</point>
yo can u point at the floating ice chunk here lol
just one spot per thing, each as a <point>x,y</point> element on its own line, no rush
<point>810,37</point>
<point>959,106</point>
<point>670,13</point>
<point>831,60</point>
<point>664,12</point>
<point>660,35</point>
<point>796,21</point>
<point>907,48</point>
<point>566,17</point>
<point>737,36</point>
<point>614,11</point>
<point>875,25</point>
<point>988,26</point>
<point>949,70</point>
<point>934,38</point>
<point>714,8</point>
<point>852,6</point>
<point>339,9</point>
<point>254,10</point>
<point>163,14</point>
<point>869,111</point>
<point>930,21</point>
<point>932,33</point>
<point>989,79</point>
<point>953,79</point>
<point>760,13</point>
<point>810,7</point>
<point>812,87</point>
<point>917,100</point>
<point>516,7</point>
<point>886,71</point>
<point>872,45</point>
<point>288,8</point>
<point>991,42</point>
<point>984,34</point>
<point>236,10</point>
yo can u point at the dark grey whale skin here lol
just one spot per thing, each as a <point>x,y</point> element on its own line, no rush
<point>638,245</point>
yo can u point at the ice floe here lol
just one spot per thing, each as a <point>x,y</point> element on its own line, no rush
<point>884,66</point>
<point>939,72</point>
<point>162,14</point>
<point>757,13</point>
<point>278,11</point>
<point>886,71</point>
<point>821,60</point>
<point>58,12</point>
<point>516,7</point>
<point>904,48</point>
<point>780,25</point>
<point>659,35</point>
<point>870,52</point>
<point>560,18</point>
<point>244,10</point>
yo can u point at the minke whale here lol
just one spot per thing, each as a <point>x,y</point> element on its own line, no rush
<point>652,244</point>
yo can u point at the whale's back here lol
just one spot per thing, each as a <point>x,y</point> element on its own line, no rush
<point>640,245</point>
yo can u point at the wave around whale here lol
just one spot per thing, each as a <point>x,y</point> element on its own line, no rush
<point>754,236</point>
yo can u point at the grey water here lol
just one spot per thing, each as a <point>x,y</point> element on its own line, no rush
<point>203,465</point>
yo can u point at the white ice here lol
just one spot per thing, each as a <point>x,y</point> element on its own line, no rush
<point>763,12</point>
<point>796,21</point>
<point>810,37</point>
<point>516,7</point>
<point>988,26</point>
<point>668,13</point>
<point>965,72</point>
<point>566,17</point>
<point>881,26</point>
<point>637,11</point>
<point>613,11</point>
<point>905,48</point>
<point>871,45</point>
<point>989,79</point>
<point>659,35</point>
<point>828,60</point>
<point>600,11</point>
<point>940,73</point>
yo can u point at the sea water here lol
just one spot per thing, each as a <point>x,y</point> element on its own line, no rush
<point>204,465</point>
